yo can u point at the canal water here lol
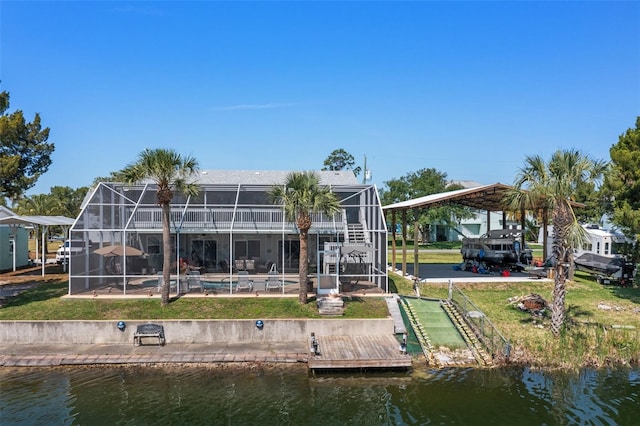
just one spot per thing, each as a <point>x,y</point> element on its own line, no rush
<point>291,396</point>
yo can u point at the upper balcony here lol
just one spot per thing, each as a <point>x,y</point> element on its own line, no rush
<point>256,219</point>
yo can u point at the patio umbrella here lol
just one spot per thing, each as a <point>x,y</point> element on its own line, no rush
<point>118,250</point>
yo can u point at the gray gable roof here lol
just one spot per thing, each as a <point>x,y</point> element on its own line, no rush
<point>6,212</point>
<point>270,177</point>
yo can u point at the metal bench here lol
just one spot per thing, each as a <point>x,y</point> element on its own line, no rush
<point>149,330</point>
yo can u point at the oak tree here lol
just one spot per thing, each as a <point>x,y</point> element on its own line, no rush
<point>25,153</point>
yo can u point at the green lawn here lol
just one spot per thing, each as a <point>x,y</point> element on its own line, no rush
<point>452,256</point>
<point>603,322</point>
<point>45,303</point>
<point>439,245</point>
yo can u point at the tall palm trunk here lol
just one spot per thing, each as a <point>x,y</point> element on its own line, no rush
<point>304,265</point>
<point>166,254</point>
<point>562,220</point>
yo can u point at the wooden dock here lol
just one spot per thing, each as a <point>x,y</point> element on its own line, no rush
<point>348,352</point>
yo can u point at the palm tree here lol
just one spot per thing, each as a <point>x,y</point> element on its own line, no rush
<point>551,187</point>
<point>301,195</point>
<point>169,171</point>
<point>40,205</point>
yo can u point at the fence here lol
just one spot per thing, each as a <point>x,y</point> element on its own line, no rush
<point>485,331</point>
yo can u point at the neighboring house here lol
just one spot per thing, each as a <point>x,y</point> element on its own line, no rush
<point>600,241</point>
<point>231,226</point>
<point>473,227</point>
<point>14,239</point>
<point>477,225</point>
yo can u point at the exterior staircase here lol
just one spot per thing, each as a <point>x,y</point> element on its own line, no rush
<point>331,306</point>
<point>356,234</point>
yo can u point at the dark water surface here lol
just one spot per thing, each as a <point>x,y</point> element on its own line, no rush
<point>290,396</point>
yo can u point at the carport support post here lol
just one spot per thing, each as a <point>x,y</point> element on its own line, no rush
<point>545,233</point>
<point>522,226</point>
<point>416,247</point>
<point>404,242</point>
<point>393,240</point>
<point>65,232</point>
<point>488,221</point>
<point>43,259</point>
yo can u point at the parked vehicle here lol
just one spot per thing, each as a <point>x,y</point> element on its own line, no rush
<point>70,248</point>
<point>602,258</point>
<point>607,270</point>
<point>601,255</point>
<point>501,247</point>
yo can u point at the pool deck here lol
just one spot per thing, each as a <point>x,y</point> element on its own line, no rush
<point>210,285</point>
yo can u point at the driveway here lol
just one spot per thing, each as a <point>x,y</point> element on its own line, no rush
<point>443,272</point>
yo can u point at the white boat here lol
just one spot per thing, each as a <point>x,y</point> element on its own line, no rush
<point>501,247</point>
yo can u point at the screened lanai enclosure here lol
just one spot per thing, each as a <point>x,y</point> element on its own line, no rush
<point>230,239</point>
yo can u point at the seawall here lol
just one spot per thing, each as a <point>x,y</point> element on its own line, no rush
<point>188,331</point>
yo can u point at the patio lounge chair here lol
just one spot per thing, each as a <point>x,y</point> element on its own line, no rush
<point>273,281</point>
<point>244,283</point>
<point>193,281</point>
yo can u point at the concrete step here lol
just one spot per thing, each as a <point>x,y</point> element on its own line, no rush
<point>331,306</point>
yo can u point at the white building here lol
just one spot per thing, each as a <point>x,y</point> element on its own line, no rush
<point>474,227</point>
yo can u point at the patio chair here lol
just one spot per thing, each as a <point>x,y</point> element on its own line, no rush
<point>239,264</point>
<point>244,283</point>
<point>193,281</point>
<point>273,281</point>
<point>250,265</point>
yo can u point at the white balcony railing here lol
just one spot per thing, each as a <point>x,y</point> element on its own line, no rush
<point>227,219</point>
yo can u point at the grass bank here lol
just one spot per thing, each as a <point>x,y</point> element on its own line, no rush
<point>45,303</point>
<point>427,256</point>
<point>603,322</point>
<point>602,327</point>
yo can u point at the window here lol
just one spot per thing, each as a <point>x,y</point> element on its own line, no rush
<point>247,249</point>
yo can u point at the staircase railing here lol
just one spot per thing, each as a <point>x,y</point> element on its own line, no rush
<point>487,333</point>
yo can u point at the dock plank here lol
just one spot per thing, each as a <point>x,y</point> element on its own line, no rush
<point>358,352</point>
<point>396,315</point>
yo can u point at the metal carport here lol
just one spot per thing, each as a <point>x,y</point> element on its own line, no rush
<point>45,221</point>
<point>485,197</point>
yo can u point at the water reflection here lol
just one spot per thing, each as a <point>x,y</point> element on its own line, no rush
<point>283,396</point>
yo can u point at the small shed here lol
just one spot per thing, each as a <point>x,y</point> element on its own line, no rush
<point>14,243</point>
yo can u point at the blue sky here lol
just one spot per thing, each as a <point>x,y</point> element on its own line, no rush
<point>467,88</point>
